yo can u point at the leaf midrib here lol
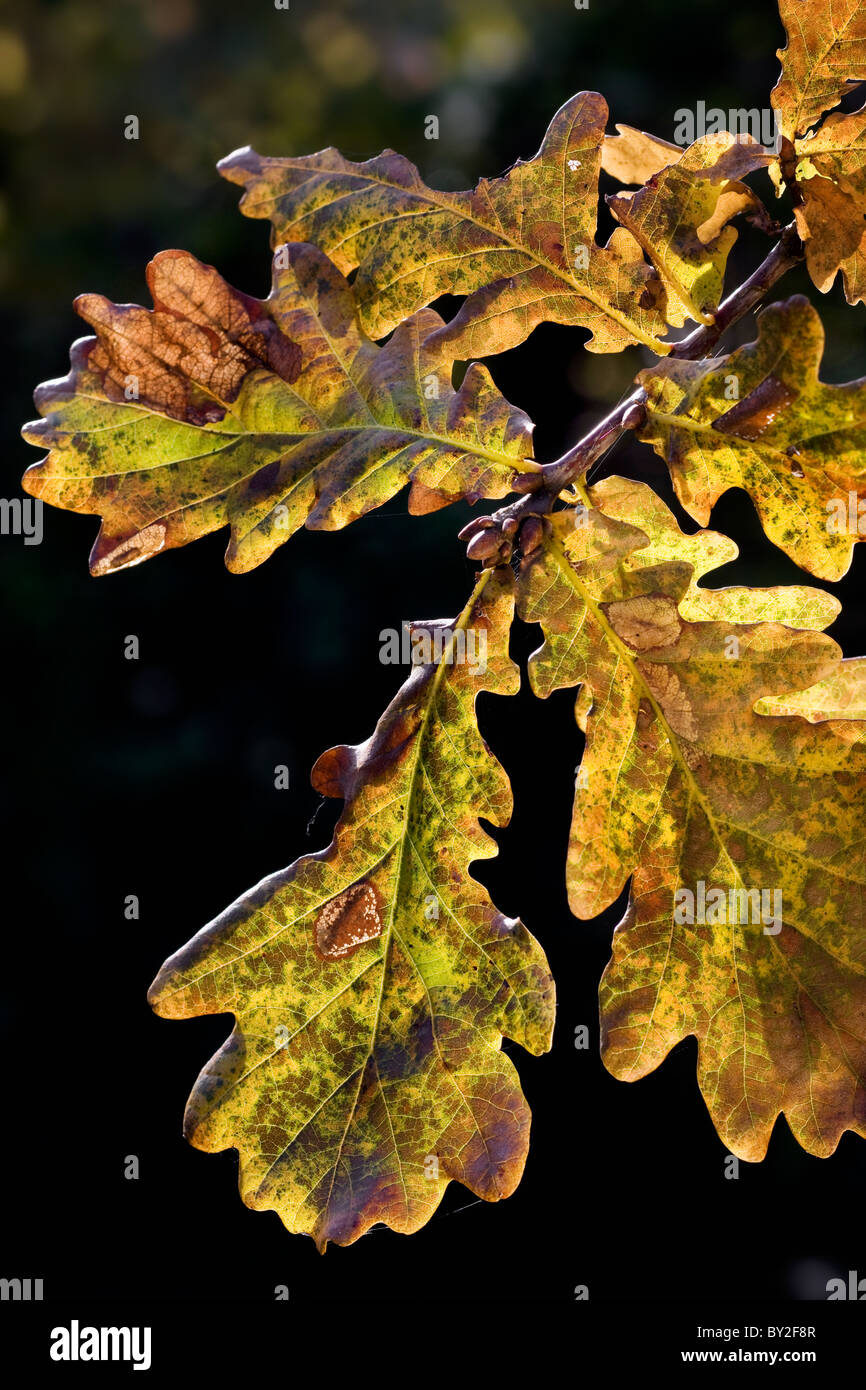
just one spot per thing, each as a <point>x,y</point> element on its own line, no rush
<point>404,841</point>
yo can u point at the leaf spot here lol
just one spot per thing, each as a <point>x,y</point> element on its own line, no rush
<point>347,921</point>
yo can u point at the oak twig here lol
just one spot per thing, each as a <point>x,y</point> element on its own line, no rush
<point>490,537</point>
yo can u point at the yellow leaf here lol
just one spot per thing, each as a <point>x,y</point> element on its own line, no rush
<point>742,834</point>
<point>760,418</point>
<point>682,215</point>
<point>841,696</point>
<point>633,156</point>
<point>372,983</point>
<point>635,504</point>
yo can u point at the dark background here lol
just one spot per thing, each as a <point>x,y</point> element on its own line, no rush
<point>155,777</point>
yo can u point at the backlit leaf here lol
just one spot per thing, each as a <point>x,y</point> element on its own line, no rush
<point>760,418</point>
<point>264,415</point>
<point>830,175</point>
<point>372,983</point>
<point>682,217</point>
<point>633,156</point>
<point>689,791</point>
<point>825,57</point>
<point>522,247</point>
<point>841,696</point>
<point>635,504</point>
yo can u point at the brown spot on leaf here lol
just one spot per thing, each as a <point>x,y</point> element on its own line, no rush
<point>673,697</point>
<point>755,413</point>
<point>646,622</point>
<point>347,921</point>
<point>107,556</point>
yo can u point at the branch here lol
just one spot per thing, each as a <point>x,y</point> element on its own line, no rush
<point>490,537</point>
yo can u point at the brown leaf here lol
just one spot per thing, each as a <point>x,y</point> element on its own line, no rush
<point>830,178</point>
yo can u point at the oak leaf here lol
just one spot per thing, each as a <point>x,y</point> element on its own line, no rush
<point>742,834</point>
<point>634,156</point>
<point>216,409</point>
<point>760,418</point>
<point>522,246</point>
<point>634,504</point>
<point>372,983</point>
<point>825,57</point>
<point>841,696</point>
<point>682,216</point>
<point>830,180</point>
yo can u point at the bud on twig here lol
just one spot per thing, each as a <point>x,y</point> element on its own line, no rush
<point>532,534</point>
<point>473,527</point>
<point>485,544</point>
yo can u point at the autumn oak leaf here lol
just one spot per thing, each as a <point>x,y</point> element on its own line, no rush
<point>372,983</point>
<point>521,247</point>
<point>825,57</point>
<point>216,409</point>
<point>760,419</point>
<point>830,180</point>
<point>634,156</point>
<point>841,696</point>
<point>742,833</point>
<point>682,214</point>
